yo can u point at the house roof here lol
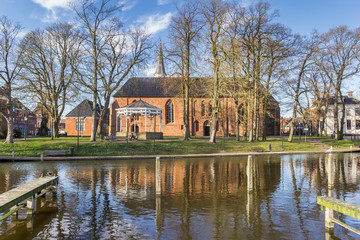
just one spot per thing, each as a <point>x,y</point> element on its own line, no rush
<point>84,109</point>
<point>347,100</point>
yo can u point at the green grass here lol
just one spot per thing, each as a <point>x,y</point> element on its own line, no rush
<point>37,146</point>
<point>342,144</point>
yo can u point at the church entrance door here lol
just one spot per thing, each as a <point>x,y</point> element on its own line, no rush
<point>206,128</point>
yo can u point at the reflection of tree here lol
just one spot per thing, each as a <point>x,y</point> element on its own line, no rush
<point>297,194</point>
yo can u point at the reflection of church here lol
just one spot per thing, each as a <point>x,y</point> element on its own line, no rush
<point>154,104</point>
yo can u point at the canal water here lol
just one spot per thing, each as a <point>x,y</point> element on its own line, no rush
<point>203,198</point>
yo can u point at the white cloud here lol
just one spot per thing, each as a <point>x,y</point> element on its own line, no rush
<point>245,3</point>
<point>149,72</point>
<point>52,4</point>
<point>127,5</point>
<point>155,23</point>
<point>163,2</point>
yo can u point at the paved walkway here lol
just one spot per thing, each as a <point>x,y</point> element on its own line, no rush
<point>318,144</point>
<point>133,157</point>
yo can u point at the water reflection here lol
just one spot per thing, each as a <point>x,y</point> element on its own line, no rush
<point>268,197</point>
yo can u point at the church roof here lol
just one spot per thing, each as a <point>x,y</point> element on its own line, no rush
<point>159,87</point>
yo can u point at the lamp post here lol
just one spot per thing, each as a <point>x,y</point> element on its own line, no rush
<point>25,121</point>
<point>78,130</point>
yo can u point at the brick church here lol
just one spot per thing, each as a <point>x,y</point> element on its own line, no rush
<point>154,104</point>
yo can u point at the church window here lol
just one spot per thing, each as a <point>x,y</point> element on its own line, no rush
<point>196,126</point>
<point>169,112</point>
<point>202,108</point>
<point>210,109</point>
<point>194,109</point>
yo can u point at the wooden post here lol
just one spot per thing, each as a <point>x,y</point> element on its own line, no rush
<point>158,176</point>
<point>249,173</point>
<point>154,123</point>
<point>329,213</point>
<point>31,205</point>
<point>158,216</point>
<point>42,157</point>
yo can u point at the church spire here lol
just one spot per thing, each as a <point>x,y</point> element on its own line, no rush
<point>160,67</point>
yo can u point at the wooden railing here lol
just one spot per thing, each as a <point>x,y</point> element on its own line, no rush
<point>330,204</point>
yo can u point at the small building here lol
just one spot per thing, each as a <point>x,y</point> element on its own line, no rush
<point>79,120</point>
<point>24,119</point>
<point>352,116</point>
<point>285,125</point>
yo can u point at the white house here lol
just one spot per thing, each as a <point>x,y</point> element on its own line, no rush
<point>352,118</point>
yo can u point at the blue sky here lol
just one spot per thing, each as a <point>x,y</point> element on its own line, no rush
<point>302,16</point>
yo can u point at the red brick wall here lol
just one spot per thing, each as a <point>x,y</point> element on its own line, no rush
<point>227,116</point>
<point>70,126</point>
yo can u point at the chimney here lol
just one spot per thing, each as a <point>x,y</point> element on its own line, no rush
<point>350,94</point>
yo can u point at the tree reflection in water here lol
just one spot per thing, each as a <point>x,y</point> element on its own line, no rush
<point>205,198</point>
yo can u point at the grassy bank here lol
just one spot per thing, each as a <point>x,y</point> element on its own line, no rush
<point>37,146</point>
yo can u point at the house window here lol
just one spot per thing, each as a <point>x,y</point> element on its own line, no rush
<point>348,124</point>
<point>80,125</point>
<point>202,108</point>
<point>348,112</point>
<point>357,112</point>
<point>169,112</point>
<point>357,124</point>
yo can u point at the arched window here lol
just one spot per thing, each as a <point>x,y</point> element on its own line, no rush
<point>169,112</point>
<point>210,109</point>
<point>194,110</point>
<point>196,123</point>
<point>202,108</point>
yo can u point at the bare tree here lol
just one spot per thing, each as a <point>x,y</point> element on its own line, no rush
<point>120,55</point>
<point>319,87</point>
<point>305,59</point>
<point>255,37</point>
<point>49,61</point>
<point>340,61</point>
<point>184,31</point>
<point>95,18</point>
<point>215,13</point>
<point>9,69</point>
<point>279,49</point>
<point>234,64</point>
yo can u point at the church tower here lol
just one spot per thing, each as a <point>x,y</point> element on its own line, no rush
<point>160,67</point>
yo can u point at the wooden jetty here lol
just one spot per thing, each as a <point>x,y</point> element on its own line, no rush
<point>329,204</point>
<point>332,204</point>
<point>30,190</point>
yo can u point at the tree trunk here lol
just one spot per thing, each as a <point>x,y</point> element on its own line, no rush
<point>186,93</point>
<point>102,118</point>
<point>336,114</point>
<point>342,122</point>
<point>237,119</point>
<point>10,121</point>
<point>215,110</point>
<point>265,118</point>
<point>54,127</point>
<point>95,69</point>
